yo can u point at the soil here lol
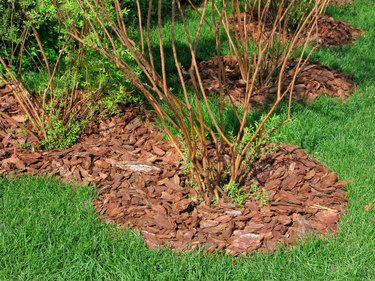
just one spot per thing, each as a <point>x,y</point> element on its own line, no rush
<point>331,32</point>
<point>313,81</point>
<point>141,185</point>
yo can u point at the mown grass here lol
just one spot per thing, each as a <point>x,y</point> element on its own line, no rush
<point>49,231</point>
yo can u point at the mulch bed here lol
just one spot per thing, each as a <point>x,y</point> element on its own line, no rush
<point>141,185</point>
<point>340,2</point>
<point>313,81</point>
<point>331,32</point>
<point>304,197</point>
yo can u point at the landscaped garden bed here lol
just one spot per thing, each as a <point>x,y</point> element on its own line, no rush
<point>141,184</point>
<point>51,230</point>
<point>209,194</point>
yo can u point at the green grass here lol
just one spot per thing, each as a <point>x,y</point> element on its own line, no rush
<point>48,230</point>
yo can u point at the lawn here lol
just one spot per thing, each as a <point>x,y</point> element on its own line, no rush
<point>49,231</point>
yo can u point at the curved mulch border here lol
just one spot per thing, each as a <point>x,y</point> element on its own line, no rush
<point>313,81</point>
<point>140,183</point>
<point>304,197</point>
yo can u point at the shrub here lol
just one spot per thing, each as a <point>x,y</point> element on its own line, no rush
<point>260,58</point>
<point>72,83</point>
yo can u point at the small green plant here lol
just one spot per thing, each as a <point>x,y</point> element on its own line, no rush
<point>236,193</point>
<point>239,195</point>
<point>61,135</point>
<point>259,194</point>
<point>295,11</point>
<point>112,99</point>
<point>186,163</point>
<point>24,145</point>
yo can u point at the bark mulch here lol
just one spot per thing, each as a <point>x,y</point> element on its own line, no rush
<point>340,2</point>
<point>11,117</point>
<point>331,32</point>
<point>313,81</point>
<point>141,185</point>
<point>303,197</point>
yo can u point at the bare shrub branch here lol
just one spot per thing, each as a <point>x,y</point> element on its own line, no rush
<point>262,39</point>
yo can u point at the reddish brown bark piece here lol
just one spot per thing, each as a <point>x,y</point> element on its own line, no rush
<point>284,220</point>
<point>163,221</point>
<point>254,227</point>
<point>290,182</point>
<point>327,217</point>
<point>247,242</point>
<point>13,163</point>
<point>208,223</point>
<point>158,151</point>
